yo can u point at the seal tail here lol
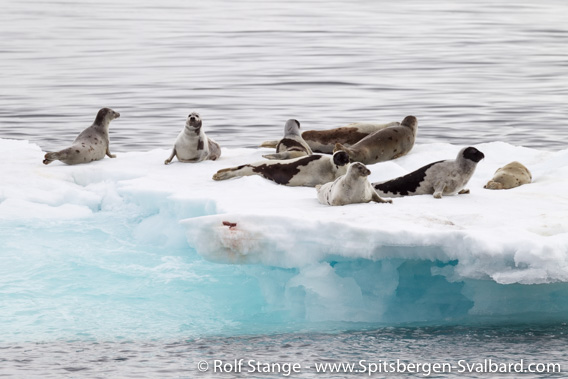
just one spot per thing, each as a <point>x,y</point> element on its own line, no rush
<point>233,172</point>
<point>50,157</point>
<point>271,144</point>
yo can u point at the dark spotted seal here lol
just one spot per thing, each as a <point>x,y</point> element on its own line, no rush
<point>91,145</point>
<point>385,144</point>
<point>323,141</point>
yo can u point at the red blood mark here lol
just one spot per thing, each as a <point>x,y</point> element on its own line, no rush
<point>231,225</point>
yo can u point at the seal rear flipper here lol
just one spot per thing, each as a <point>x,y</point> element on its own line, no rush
<point>50,157</point>
<point>271,144</point>
<point>285,155</point>
<point>233,172</point>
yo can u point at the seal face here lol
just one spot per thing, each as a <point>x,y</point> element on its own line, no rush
<point>385,144</point>
<point>351,188</point>
<point>292,145</point>
<point>323,141</point>
<point>510,176</point>
<point>307,171</point>
<point>192,145</point>
<point>439,178</point>
<point>92,144</point>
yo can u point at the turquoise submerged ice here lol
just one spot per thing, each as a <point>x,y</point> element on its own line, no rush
<point>130,248</point>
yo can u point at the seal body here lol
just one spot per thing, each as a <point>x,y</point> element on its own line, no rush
<point>292,145</point>
<point>307,171</point>
<point>385,144</point>
<point>192,145</point>
<point>91,145</point>
<point>439,178</point>
<point>510,176</point>
<point>323,141</point>
<point>351,188</point>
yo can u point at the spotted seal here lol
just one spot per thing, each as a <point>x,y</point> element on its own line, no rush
<point>510,176</point>
<point>323,141</point>
<point>91,145</point>
<point>385,144</point>
<point>447,177</point>
<point>351,188</point>
<point>307,171</point>
<point>192,145</point>
<point>292,145</point>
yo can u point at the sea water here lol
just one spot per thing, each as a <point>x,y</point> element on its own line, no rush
<point>107,297</point>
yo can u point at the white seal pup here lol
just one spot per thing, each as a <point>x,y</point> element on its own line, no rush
<point>323,141</point>
<point>510,176</point>
<point>91,145</point>
<point>307,171</point>
<point>292,145</point>
<point>192,145</point>
<point>351,188</point>
<point>439,178</point>
<point>385,144</point>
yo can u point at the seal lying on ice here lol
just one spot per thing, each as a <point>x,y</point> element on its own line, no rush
<point>307,171</point>
<point>323,141</point>
<point>510,176</point>
<point>439,178</point>
<point>385,144</point>
<point>351,188</point>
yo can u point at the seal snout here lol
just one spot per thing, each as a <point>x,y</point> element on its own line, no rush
<point>410,121</point>
<point>116,115</point>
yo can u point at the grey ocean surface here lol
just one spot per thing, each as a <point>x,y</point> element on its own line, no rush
<point>472,72</point>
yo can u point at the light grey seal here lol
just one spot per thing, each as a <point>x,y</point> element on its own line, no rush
<point>351,188</point>
<point>192,145</point>
<point>292,145</point>
<point>91,145</point>
<point>385,144</point>
<point>439,178</point>
<point>510,176</point>
<point>323,141</point>
<point>307,171</point>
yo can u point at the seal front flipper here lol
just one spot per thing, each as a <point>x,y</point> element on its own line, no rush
<point>439,190</point>
<point>109,154</point>
<point>463,191</point>
<point>378,199</point>
<point>169,160</point>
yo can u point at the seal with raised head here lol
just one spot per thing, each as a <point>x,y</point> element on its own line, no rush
<point>192,145</point>
<point>385,144</point>
<point>323,141</point>
<point>307,171</point>
<point>91,145</point>
<point>447,177</point>
<point>510,176</point>
<point>292,145</point>
<point>351,188</point>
